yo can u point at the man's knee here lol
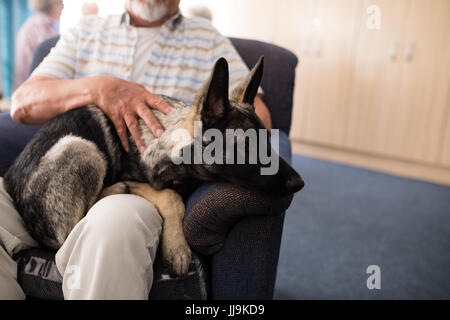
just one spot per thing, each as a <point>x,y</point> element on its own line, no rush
<point>120,219</point>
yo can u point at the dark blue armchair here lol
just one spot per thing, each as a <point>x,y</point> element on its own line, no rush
<point>234,233</point>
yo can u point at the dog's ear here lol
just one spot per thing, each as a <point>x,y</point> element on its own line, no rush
<point>212,99</point>
<point>247,90</point>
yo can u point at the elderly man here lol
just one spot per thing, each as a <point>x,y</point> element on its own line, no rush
<point>119,64</point>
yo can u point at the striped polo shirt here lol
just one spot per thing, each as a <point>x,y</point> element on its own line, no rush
<point>179,62</point>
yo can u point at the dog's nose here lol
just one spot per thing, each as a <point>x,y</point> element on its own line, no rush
<point>294,183</point>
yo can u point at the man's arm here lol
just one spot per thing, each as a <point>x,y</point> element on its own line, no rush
<point>40,99</point>
<point>53,89</point>
<point>263,112</point>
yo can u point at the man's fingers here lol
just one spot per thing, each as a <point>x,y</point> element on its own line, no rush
<point>150,120</point>
<point>135,130</point>
<point>121,130</point>
<point>158,103</point>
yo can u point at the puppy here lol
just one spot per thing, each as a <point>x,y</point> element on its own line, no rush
<point>77,159</point>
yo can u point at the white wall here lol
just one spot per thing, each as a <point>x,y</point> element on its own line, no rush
<point>241,18</point>
<point>72,11</point>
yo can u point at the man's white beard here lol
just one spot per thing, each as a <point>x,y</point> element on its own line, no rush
<point>149,10</point>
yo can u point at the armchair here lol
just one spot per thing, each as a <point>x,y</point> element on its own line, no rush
<point>235,234</point>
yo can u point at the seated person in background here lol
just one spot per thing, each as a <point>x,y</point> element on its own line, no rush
<point>119,64</point>
<point>36,29</point>
<point>90,9</point>
<point>201,12</point>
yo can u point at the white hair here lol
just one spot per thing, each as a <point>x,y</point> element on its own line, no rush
<point>200,12</point>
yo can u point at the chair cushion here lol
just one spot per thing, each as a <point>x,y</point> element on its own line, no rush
<point>37,274</point>
<point>39,278</point>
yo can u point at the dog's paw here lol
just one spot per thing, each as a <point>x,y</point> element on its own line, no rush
<point>118,188</point>
<point>177,255</point>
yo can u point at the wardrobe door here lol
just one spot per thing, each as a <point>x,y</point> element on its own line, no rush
<point>444,152</point>
<point>425,80</point>
<point>326,45</point>
<point>377,73</point>
<point>293,30</point>
<point>401,80</point>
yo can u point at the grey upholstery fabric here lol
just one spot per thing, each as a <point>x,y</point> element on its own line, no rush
<point>39,278</point>
<point>214,208</point>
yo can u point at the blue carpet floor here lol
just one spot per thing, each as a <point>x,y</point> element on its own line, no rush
<point>347,219</point>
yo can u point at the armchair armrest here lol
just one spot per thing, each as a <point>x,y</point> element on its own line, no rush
<point>242,231</point>
<point>214,208</point>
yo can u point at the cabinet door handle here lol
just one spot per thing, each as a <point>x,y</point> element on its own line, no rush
<point>318,47</point>
<point>394,50</point>
<point>410,51</point>
<point>305,46</point>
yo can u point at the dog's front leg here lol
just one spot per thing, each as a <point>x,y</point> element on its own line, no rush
<point>170,206</point>
<point>118,188</point>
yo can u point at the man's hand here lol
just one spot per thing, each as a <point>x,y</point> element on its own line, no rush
<point>40,99</point>
<point>124,102</point>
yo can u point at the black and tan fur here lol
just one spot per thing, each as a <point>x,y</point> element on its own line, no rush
<point>77,159</point>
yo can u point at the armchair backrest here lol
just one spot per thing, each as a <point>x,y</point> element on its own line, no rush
<point>278,80</point>
<point>42,50</point>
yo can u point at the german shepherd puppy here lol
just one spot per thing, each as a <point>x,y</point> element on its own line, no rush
<point>77,159</point>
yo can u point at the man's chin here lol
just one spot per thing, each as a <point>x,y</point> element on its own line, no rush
<point>148,12</point>
<point>139,22</point>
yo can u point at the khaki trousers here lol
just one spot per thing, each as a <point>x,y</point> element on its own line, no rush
<point>108,255</point>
